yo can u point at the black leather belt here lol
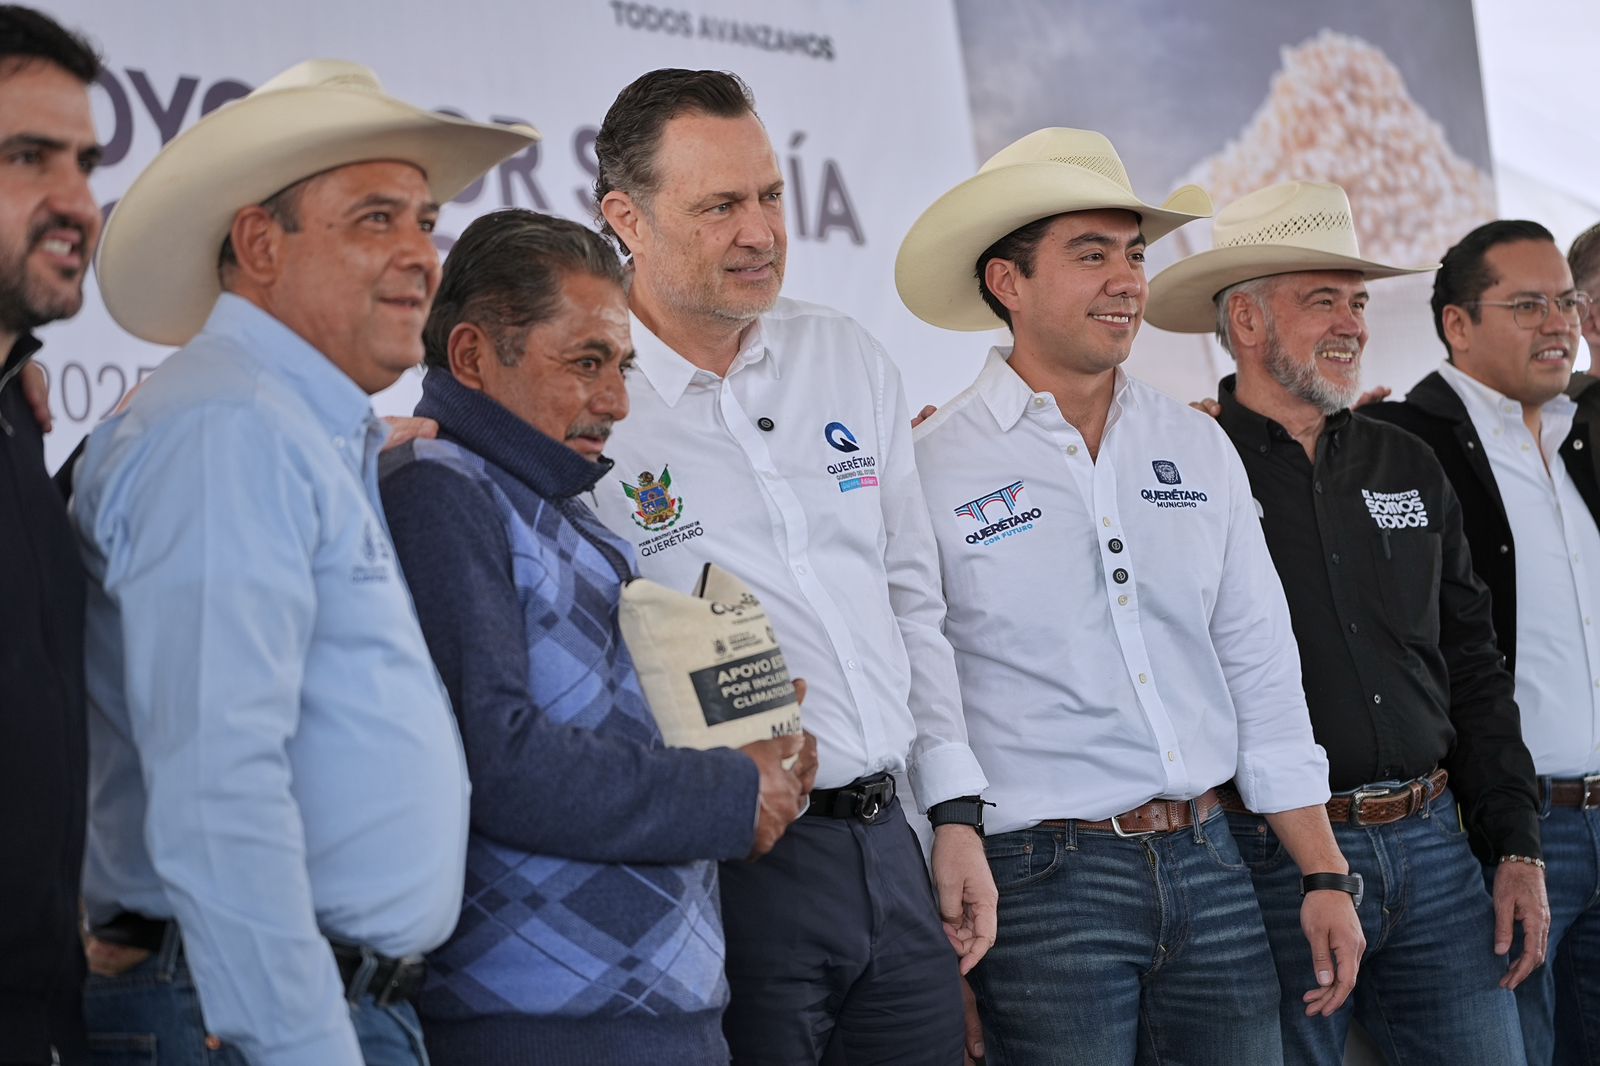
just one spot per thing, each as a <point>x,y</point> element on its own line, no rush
<point>865,799</point>
<point>363,971</point>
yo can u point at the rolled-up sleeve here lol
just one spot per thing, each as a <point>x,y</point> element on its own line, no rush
<point>207,532</point>
<point>1281,766</point>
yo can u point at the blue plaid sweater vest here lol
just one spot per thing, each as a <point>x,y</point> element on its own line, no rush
<point>541,936</point>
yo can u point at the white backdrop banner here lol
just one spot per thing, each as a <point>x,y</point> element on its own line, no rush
<point>865,103</point>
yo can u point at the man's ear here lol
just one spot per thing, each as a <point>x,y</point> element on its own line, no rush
<point>257,240</point>
<point>1000,275</point>
<point>1457,325</point>
<point>1247,321</point>
<point>468,347</point>
<point>624,215</point>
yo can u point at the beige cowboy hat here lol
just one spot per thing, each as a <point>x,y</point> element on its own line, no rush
<point>1282,229</point>
<point>1048,172</point>
<point>158,256</point>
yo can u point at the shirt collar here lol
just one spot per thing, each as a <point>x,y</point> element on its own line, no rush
<point>1485,403</point>
<point>487,429</point>
<point>670,374</point>
<point>337,401</point>
<point>1008,397</point>
<point>22,349</point>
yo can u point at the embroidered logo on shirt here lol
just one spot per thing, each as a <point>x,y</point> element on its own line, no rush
<point>856,472</point>
<point>985,510</point>
<point>1166,472</point>
<point>1397,510</point>
<point>377,554</point>
<point>655,508</point>
<point>838,435</point>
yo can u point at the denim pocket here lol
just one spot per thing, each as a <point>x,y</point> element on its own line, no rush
<point>1259,847</point>
<point>1023,858</point>
<point>122,1049</point>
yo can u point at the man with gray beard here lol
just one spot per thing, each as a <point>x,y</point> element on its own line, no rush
<point>1404,681</point>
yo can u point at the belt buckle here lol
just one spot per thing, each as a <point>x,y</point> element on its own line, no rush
<point>1589,791</point>
<point>1360,796</point>
<point>1116,827</point>
<point>873,800</point>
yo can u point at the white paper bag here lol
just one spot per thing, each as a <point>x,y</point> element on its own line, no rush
<point>709,663</point>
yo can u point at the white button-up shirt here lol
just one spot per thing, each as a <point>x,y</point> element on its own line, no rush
<point>1557,550</point>
<point>1120,631</point>
<point>795,472</point>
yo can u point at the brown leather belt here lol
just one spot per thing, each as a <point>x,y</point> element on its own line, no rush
<point>1157,816</point>
<point>1367,806</point>
<point>1580,792</point>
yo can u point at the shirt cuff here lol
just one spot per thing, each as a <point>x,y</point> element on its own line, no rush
<point>1271,783</point>
<point>946,772</point>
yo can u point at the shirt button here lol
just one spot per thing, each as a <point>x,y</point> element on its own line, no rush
<point>1072,449</point>
<point>1379,699</point>
<point>1352,627</point>
<point>339,442</point>
<point>801,570</point>
<point>1577,445</point>
<point>849,664</point>
<point>1122,601</point>
<point>1038,401</point>
<point>1120,576</point>
<point>1318,486</point>
<point>1335,558</point>
<point>1505,549</point>
<point>1171,757</point>
<point>1143,679</point>
<point>765,424</point>
<point>1263,449</point>
<point>1472,444</point>
<point>1115,545</point>
<point>1106,522</point>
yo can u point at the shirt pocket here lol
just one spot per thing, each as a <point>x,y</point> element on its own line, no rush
<point>1408,565</point>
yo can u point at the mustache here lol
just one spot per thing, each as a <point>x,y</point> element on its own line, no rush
<point>56,222</point>
<point>600,429</point>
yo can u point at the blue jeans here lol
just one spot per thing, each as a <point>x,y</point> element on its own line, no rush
<point>150,1016</point>
<point>1428,990</point>
<point>1560,1002</point>
<point>1126,950</point>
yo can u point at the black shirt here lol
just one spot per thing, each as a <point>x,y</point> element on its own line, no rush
<point>1397,650</point>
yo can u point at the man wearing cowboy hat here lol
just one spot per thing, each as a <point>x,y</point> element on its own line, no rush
<point>275,774</point>
<point>1397,650</point>
<point>1508,307</point>
<point>1122,641</point>
<point>784,428</point>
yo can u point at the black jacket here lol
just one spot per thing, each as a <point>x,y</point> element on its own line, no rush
<point>43,751</point>
<point>1434,412</point>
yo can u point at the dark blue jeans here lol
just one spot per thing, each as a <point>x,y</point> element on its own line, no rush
<point>1560,1002</point>
<point>1428,990</point>
<point>150,1016</point>
<point>1126,950</point>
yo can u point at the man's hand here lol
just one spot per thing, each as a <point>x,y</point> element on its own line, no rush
<point>969,1010</point>
<point>36,390</point>
<point>405,430</point>
<point>111,960</point>
<point>1519,897</point>
<point>1372,395</point>
<point>968,900</point>
<point>1328,918</point>
<point>922,415</point>
<point>1207,406</point>
<point>780,797</point>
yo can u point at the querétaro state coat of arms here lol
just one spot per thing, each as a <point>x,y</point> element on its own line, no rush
<point>655,508</point>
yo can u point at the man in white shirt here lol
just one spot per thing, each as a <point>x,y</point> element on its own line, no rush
<point>1121,637</point>
<point>777,435</point>
<point>1506,308</point>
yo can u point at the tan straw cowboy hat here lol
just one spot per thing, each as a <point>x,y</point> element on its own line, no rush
<point>1048,172</point>
<point>1282,229</point>
<point>158,257</point>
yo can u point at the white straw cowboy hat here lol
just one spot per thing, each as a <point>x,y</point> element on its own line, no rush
<point>1048,172</point>
<point>1282,229</point>
<point>158,256</point>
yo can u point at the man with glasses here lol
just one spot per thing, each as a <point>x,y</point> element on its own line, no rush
<point>1506,308</point>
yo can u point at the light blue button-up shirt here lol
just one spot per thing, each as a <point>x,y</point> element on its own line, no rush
<point>273,757</point>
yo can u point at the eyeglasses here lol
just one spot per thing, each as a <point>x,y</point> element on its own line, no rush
<point>1530,312</point>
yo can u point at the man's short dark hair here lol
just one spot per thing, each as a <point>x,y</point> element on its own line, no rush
<point>29,36</point>
<point>1019,246</point>
<point>1584,259</point>
<point>1464,276</point>
<point>630,136</point>
<point>504,275</point>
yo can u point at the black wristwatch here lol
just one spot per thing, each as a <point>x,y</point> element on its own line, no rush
<point>1350,883</point>
<point>964,810</point>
